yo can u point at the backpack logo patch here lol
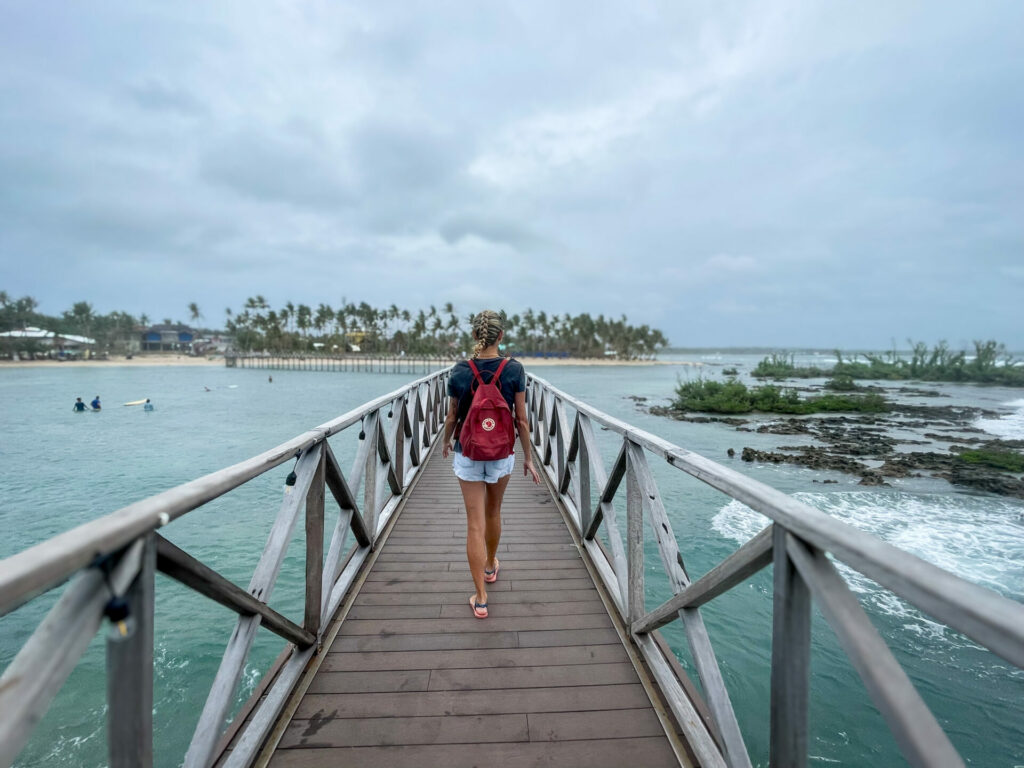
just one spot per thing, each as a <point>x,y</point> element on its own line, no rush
<point>487,424</point>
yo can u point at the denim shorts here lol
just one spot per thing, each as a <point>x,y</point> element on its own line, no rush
<point>487,471</point>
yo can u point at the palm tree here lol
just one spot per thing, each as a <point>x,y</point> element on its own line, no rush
<point>194,313</point>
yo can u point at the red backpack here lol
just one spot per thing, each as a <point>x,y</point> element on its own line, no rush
<point>487,432</point>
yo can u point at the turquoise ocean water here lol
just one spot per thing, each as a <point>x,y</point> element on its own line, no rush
<point>60,469</point>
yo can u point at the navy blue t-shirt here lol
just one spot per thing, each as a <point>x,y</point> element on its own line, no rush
<point>460,382</point>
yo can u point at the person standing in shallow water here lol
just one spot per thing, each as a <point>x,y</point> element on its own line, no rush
<point>483,483</point>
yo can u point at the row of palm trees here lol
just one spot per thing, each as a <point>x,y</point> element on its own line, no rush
<point>434,331</point>
<point>388,330</point>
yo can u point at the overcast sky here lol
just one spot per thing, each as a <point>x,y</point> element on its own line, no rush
<point>780,173</point>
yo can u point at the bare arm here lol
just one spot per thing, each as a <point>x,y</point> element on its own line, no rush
<point>523,426</point>
<point>449,426</point>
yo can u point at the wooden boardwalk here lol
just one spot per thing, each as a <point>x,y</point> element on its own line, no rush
<point>413,679</point>
<point>389,668</point>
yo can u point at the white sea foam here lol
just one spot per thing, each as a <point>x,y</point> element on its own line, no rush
<point>1009,427</point>
<point>979,539</point>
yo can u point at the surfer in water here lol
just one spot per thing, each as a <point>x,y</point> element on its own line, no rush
<point>79,406</point>
<point>147,406</point>
<point>96,403</point>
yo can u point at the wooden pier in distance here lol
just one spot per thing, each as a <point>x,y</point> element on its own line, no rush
<point>355,363</point>
<point>413,679</point>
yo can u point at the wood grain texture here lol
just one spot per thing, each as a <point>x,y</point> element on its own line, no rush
<point>412,677</point>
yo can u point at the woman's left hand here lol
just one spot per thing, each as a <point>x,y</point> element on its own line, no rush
<point>528,469</point>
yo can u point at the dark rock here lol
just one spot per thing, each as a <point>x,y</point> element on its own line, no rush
<point>731,453</point>
<point>872,478</point>
<point>788,427</point>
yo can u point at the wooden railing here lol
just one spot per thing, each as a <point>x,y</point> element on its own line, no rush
<point>111,563</point>
<point>795,544</point>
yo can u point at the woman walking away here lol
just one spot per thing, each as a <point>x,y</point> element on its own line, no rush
<point>488,403</point>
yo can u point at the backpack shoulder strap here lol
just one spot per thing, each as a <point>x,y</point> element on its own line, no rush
<point>476,372</point>
<point>497,374</point>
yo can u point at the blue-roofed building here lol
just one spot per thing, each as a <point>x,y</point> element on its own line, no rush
<point>168,338</point>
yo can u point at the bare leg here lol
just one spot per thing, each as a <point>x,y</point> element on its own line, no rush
<point>476,549</point>
<point>492,520</point>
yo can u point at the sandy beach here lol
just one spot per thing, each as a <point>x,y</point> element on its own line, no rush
<point>184,360</point>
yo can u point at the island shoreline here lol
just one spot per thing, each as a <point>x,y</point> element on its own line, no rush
<point>185,361</point>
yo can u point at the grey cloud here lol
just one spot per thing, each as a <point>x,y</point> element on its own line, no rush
<point>493,228</point>
<point>160,97</point>
<point>275,167</point>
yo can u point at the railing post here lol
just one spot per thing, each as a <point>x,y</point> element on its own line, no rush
<point>130,673</point>
<point>315,547</point>
<point>583,478</point>
<point>791,659</point>
<point>370,480</point>
<point>634,542</point>
<point>560,446</point>
<point>398,455</point>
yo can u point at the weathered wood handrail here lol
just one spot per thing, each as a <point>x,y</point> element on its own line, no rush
<point>795,543</point>
<point>116,555</point>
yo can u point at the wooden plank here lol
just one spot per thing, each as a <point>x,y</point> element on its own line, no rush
<point>791,659</point>
<point>379,681</point>
<point>459,597</point>
<point>372,500</point>
<point>474,659</point>
<point>606,724</point>
<point>532,677</point>
<point>182,567</point>
<point>496,623</point>
<point>426,642</point>
<point>597,466</point>
<point>130,673</point>
<point>244,716</point>
<point>399,442</point>
<point>635,542</point>
<point>563,437</point>
<point>385,453</point>
<point>590,607</point>
<point>267,713</point>
<point>455,703</point>
<point>733,570</point>
<point>368,429</point>
<point>575,570</point>
<point>557,637</point>
<point>584,501</point>
<point>394,731</point>
<point>44,662</point>
<point>315,549</point>
<point>334,562</point>
<point>344,496</point>
<point>606,753</point>
<point>919,736</point>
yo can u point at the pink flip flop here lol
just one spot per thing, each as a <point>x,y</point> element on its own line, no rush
<point>492,576</point>
<point>479,609</point>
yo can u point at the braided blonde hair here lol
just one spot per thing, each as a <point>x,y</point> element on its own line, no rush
<point>487,326</point>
